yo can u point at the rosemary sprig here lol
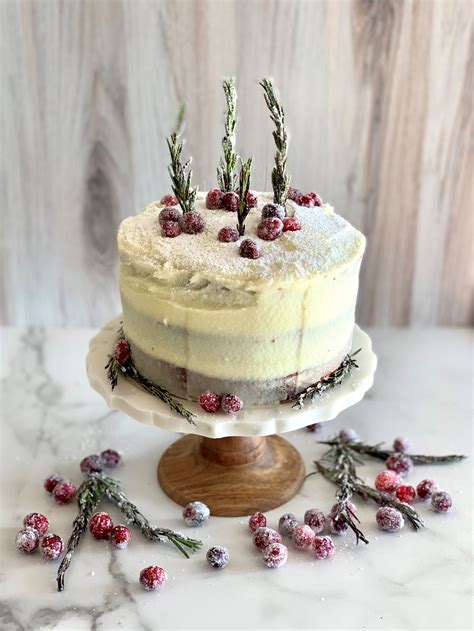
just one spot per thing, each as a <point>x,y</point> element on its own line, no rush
<point>180,173</point>
<point>243,208</point>
<point>280,176</point>
<point>226,176</point>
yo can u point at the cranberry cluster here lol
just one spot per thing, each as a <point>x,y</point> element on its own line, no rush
<point>212,403</point>
<point>173,222</point>
<point>33,536</point>
<point>107,459</point>
<point>220,200</point>
<point>304,199</point>
<point>102,528</point>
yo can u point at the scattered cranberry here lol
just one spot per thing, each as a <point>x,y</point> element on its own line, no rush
<point>196,514</point>
<point>231,404</point>
<point>316,199</point>
<point>387,481</point>
<point>441,501</point>
<point>169,200</point>
<point>37,521</point>
<point>252,200</point>
<point>351,507</point>
<point>249,249</point>
<point>389,519</point>
<point>275,555</point>
<point>270,228</point>
<point>287,524</point>
<point>51,482</point>
<point>323,547</point>
<point>303,537</point>
<point>64,492</point>
<point>210,402</point>
<point>257,520</point>
<point>92,464</point>
<point>122,351</point>
<point>218,557</point>
<point>291,224</point>
<point>314,427</point>
<point>405,493</point>
<point>400,463</point>
<point>315,519</point>
<point>348,436</point>
<point>120,536</point>
<point>230,201</point>
<point>153,577</point>
<point>51,546</point>
<point>27,540</point>
<point>171,229</point>
<point>214,199</point>
<point>101,525</point>
<point>263,537</point>
<point>426,488</point>
<point>111,458</point>
<point>228,234</point>
<point>338,525</point>
<point>192,222</point>
<point>294,194</point>
<point>273,210</point>
<point>169,214</point>
<point>306,200</point>
<point>401,444</point>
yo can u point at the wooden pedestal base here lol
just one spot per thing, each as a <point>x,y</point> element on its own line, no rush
<point>234,476</point>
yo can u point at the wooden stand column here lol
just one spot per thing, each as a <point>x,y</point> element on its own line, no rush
<point>234,476</point>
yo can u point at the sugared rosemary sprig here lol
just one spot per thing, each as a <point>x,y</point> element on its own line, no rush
<point>244,185</point>
<point>180,173</point>
<point>280,176</point>
<point>226,176</point>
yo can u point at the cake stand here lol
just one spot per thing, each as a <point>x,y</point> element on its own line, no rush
<point>235,464</point>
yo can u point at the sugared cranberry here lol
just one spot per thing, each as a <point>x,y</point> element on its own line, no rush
<point>214,199</point>
<point>218,557</point>
<point>153,577</point>
<point>323,547</point>
<point>122,351</point>
<point>51,546</point>
<point>348,435</point>
<point>228,234</point>
<point>287,524</point>
<point>275,555</point>
<point>120,536</point>
<point>170,229</point>
<point>315,518</point>
<point>441,501</point>
<point>92,464</point>
<point>389,519</point>
<point>291,224</point>
<point>231,404</point>
<point>249,249</point>
<point>338,525</point>
<point>351,507</point>
<point>401,444</point>
<point>257,520</point>
<point>303,537</point>
<point>192,222</point>
<point>37,521</point>
<point>27,540</point>
<point>101,525</point>
<point>252,200</point>
<point>270,228</point>
<point>169,200</point>
<point>111,458</point>
<point>230,201</point>
<point>314,427</point>
<point>64,492</point>
<point>405,493</point>
<point>306,200</point>
<point>426,488</point>
<point>400,463</point>
<point>263,537</point>
<point>316,199</point>
<point>169,214</point>
<point>196,514</point>
<point>51,482</point>
<point>387,481</point>
<point>294,194</point>
<point>273,210</point>
<point>210,402</point>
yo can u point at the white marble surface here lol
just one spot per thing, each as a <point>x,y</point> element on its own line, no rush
<point>51,418</point>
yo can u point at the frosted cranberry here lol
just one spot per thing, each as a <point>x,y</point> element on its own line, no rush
<point>294,194</point>
<point>92,464</point>
<point>303,537</point>
<point>316,199</point>
<point>270,228</point>
<point>387,481</point>
<point>196,514</point>
<point>314,427</point>
<point>218,557</point>
<point>405,493</point>
<point>101,525</point>
<point>169,200</point>
<point>389,519</point>
<point>257,520</point>
<point>51,546</point>
<point>263,537</point>
<point>338,525</point>
<point>64,492</point>
<point>249,249</point>
<point>287,524</point>
<point>153,577</point>
<point>348,435</point>
<point>210,402</point>
<point>228,234</point>
<point>306,200</point>
<point>214,199</point>
<point>252,200</point>
<point>27,540</point>
<point>426,488</point>
<point>37,521</point>
<point>275,555</point>
<point>401,444</point>
<point>169,214</point>
<point>351,507</point>
<point>111,458</point>
<point>291,224</point>
<point>120,536</point>
<point>400,463</point>
<point>122,351</point>
<point>273,210</point>
<point>441,501</point>
<point>315,519</point>
<point>51,482</point>
<point>231,404</point>
<point>192,222</point>
<point>231,201</point>
<point>323,547</point>
<point>171,229</point>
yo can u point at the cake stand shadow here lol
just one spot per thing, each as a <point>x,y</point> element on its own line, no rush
<point>235,464</point>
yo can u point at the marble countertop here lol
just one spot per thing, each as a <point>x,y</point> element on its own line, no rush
<point>51,418</point>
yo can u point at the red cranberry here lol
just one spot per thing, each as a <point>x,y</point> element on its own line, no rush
<point>287,524</point>
<point>338,525</point>
<point>228,234</point>
<point>169,214</point>
<point>400,463</point>
<point>263,537</point>
<point>351,507</point>
<point>169,200</point>
<point>171,229</point>
<point>210,402</point>
<point>249,249</point>
<point>27,540</point>
<point>275,555</point>
<point>51,546</point>
<point>315,519</point>
<point>196,514</point>
<point>323,547</point>
<point>92,464</point>
<point>214,199</point>
<point>231,404</point>
<point>231,201</point>
<point>306,200</point>
<point>303,537</point>
<point>401,444</point>
<point>111,458</point>
<point>348,435</point>
<point>64,492</point>
<point>389,519</point>
<point>120,536</point>
<point>37,521</point>
<point>314,427</point>
<point>218,557</point>
<point>387,481</point>
<point>405,493</point>
<point>101,525</point>
<point>316,199</point>
<point>51,482</point>
<point>257,520</point>
<point>252,200</point>
<point>441,501</point>
<point>270,228</point>
<point>294,194</point>
<point>192,222</point>
<point>273,210</point>
<point>122,351</point>
<point>426,488</point>
<point>291,224</point>
<point>153,577</point>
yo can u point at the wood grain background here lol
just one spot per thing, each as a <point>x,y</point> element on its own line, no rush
<point>378,95</point>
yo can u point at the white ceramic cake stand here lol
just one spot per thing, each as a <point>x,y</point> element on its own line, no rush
<point>227,461</point>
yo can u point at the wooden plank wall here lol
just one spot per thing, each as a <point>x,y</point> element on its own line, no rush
<point>378,95</point>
